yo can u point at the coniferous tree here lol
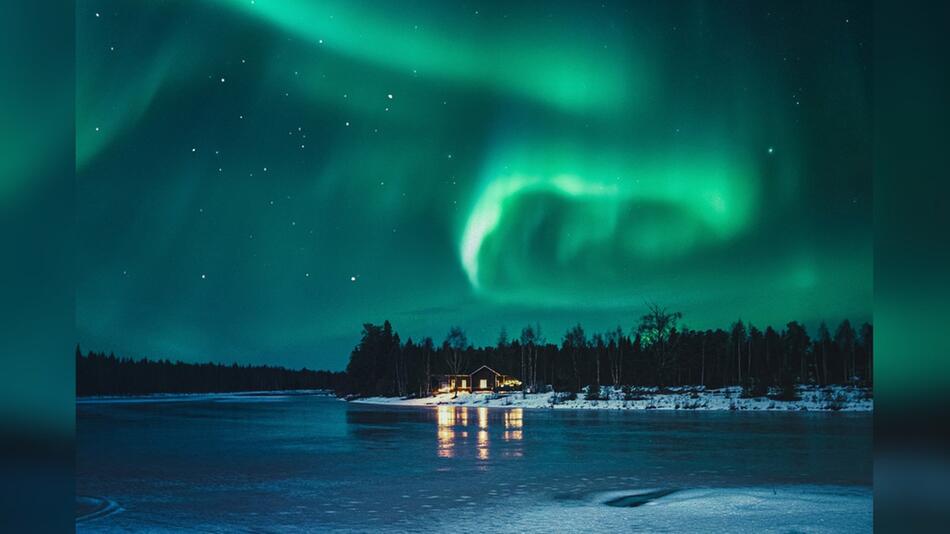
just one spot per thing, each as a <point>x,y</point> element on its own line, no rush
<point>527,341</point>
<point>845,341</point>
<point>575,341</point>
<point>659,353</point>
<point>867,346</point>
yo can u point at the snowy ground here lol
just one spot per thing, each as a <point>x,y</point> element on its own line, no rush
<point>782,509</point>
<point>811,398</point>
<point>779,510</point>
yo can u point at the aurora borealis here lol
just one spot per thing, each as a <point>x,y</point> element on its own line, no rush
<point>257,179</point>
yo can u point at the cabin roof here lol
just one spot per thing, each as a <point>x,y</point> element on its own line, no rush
<point>486,367</point>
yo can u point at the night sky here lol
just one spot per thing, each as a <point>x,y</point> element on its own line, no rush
<point>256,179</point>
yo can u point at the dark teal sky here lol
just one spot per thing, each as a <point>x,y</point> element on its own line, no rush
<point>255,180</point>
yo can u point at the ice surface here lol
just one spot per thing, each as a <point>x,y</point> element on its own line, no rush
<point>241,396</point>
<point>743,509</point>
<point>312,463</point>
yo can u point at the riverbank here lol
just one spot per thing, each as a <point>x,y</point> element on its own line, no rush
<point>232,396</point>
<point>810,398</point>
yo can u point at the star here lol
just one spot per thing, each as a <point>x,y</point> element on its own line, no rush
<point>352,279</point>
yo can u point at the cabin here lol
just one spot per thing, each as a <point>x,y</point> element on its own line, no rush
<point>487,379</point>
<point>483,379</point>
<point>449,383</point>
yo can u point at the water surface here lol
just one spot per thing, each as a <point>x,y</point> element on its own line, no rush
<point>312,463</point>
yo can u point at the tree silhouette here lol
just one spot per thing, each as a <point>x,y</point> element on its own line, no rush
<point>575,341</point>
<point>660,353</point>
<point>654,330</point>
<point>845,341</point>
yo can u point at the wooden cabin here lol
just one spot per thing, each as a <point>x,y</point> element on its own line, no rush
<point>482,380</point>
<point>451,383</point>
<point>487,379</point>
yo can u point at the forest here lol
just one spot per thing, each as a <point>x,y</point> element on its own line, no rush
<point>99,374</point>
<point>656,351</point>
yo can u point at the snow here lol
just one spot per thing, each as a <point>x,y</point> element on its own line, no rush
<point>811,398</point>
<point>753,509</point>
<point>781,509</point>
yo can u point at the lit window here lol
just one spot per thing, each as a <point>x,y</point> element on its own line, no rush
<point>483,384</point>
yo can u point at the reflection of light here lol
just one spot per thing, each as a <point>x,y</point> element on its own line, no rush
<point>446,433</point>
<point>446,442</point>
<point>512,435</point>
<point>482,444</point>
<point>464,416</point>
<point>483,418</point>
<point>513,418</point>
<point>513,423</point>
<point>446,416</point>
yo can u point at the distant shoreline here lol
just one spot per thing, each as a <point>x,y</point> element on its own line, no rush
<point>195,396</point>
<point>811,398</point>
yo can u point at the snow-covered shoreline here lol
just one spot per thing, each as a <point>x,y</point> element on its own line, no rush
<point>811,398</point>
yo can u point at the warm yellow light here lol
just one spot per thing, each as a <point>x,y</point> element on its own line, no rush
<point>446,416</point>
<point>482,445</point>
<point>512,435</point>
<point>514,418</point>
<point>446,443</point>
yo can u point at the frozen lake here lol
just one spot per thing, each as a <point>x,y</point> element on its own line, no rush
<point>312,463</point>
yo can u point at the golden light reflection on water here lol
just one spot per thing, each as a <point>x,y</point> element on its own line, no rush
<point>446,416</point>
<point>482,445</point>
<point>453,432</point>
<point>446,433</point>
<point>514,418</point>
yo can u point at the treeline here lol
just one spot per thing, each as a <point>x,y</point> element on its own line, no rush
<point>99,374</point>
<point>656,351</point>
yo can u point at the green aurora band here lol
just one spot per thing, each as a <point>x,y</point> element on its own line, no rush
<point>487,166</point>
<point>599,211</point>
